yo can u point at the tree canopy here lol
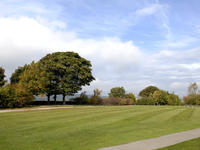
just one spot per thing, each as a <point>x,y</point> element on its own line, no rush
<point>146,92</point>
<point>117,92</point>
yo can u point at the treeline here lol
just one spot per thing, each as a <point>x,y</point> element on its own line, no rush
<point>64,73</point>
<point>59,73</point>
<point>150,95</point>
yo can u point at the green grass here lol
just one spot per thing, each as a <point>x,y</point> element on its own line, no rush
<point>89,128</point>
<point>188,145</point>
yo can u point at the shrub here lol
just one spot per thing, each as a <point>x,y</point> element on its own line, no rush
<point>146,101</point>
<point>95,100</point>
<point>174,100</point>
<point>192,99</point>
<point>131,96</point>
<point>82,99</point>
<point>14,96</point>
<point>7,97</point>
<point>117,101</point>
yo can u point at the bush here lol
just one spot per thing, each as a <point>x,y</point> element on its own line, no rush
<point>82,99</point>
<point>14,96</point>
<point>146,101</point>
<point>174,100</point>
<point>95,100</point>
<point>192,99</point>
<point>131,96</point>
<point>117,101</point>
<point>7,97</point>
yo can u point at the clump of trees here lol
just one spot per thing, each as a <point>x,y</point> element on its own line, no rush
<point>59,73</point>
<point>152,95</point>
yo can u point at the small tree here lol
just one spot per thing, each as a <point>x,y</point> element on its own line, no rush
<point>96,97</point>
<point>193,88</point>
<point>146,92</point>
<point>117,92</point>
<point>2,76</point>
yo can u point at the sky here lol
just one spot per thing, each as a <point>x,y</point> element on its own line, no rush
<point>130,43</point>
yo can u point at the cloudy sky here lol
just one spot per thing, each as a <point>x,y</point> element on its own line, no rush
<point>131,43</point>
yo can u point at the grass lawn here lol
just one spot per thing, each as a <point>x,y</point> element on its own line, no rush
<point>89,128</point>
<point>188,145</point>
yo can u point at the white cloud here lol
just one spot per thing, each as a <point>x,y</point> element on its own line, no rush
<point>149,10</point>
<point>24,39</point>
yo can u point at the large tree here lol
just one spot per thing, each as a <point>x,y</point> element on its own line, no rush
<point>66,72</point>
<point>146,92</point>
<point>2,76</point>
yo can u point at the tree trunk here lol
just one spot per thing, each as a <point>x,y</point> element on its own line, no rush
<point>55,96</point>
<point>64,102</point>
<point>48,99</point>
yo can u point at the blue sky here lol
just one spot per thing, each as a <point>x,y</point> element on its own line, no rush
<point>132,43</point>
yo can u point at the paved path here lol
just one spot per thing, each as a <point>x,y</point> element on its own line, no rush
<point>155,143</point>
<point>32,109</point>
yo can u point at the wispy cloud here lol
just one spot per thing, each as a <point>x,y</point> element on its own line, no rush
<point>149,10</point>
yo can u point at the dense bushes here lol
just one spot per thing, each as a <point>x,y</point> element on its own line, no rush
<point>117,101</point>
<point>145,101</point>
<point>14,96</point>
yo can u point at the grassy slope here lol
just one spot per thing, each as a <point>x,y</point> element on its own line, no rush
<point>89,128</point>
<point>188,145</point>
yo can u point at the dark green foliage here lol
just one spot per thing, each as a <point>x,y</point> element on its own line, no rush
<point>15,77</point>
<point>148,91</point>
<point>117,92</point>
<point>2,76</point>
